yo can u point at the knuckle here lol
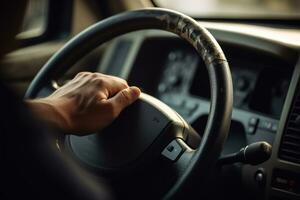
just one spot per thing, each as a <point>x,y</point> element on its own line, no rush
<point>94,75</point>
<point>124,82</point>
<point>123,86</point>
<point>83,74</point>
<point>97,81</point>
<point>121,81</point>
<point>99,74</point>
<point>126,96</point>
<point>80,74</point>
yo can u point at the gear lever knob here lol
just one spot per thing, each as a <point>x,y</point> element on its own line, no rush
<point>253,154</point>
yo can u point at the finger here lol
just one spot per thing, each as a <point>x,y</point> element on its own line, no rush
<point>123,81</point>
<point>111,84</point>
<point>82,74</point>
<point>114,85</point>
<point>111,77</point>
<point>124,98</point>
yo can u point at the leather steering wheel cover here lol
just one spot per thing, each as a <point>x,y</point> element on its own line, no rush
<point>219,118</point>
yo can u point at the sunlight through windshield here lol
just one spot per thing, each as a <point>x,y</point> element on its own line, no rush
<point>287,9</point>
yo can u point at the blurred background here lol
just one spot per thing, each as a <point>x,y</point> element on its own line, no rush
<point>35,18</point>
<point>235,8</point>
<point>37,11</point>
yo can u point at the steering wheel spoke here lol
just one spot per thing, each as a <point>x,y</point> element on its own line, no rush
<point>178,155</point>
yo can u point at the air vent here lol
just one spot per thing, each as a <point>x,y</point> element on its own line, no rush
<point>290,144</point>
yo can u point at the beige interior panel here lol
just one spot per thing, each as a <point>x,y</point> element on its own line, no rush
<point>19,67</point>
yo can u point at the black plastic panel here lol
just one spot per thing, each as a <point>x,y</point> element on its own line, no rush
<point>290,144</point>
<point>120,55</point>
<point>286,181</point>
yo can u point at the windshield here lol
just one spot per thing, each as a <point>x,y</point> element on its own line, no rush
<point>262,9</point>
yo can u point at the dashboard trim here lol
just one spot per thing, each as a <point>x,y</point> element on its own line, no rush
<point>275,161</point>
<point>223,34</point>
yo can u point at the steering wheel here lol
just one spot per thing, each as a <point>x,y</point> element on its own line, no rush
<point>149,135</point>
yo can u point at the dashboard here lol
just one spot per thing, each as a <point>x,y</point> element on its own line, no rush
<point>263,73</point>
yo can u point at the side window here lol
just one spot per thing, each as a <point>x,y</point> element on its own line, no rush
<point>46,20</point>
<point>35,21</point>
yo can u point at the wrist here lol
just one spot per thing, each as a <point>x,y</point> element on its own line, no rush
<point>46,111</point>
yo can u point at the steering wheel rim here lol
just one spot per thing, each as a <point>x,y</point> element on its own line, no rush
<point>219,118</point>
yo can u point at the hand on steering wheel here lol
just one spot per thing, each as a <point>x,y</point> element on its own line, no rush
<point>86,104</point>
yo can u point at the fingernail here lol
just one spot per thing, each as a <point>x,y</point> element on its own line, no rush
<point>135,91</point>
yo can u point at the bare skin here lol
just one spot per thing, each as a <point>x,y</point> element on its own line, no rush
<point>87,103</point>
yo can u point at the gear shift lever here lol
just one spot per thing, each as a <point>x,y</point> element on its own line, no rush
<point>253,154</point>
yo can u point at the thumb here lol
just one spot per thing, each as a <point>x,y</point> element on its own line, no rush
<point>124,98</point>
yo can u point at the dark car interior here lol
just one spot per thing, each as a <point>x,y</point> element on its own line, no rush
<point>263,57</point>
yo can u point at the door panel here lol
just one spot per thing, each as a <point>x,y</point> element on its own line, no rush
<point>18,68</point>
